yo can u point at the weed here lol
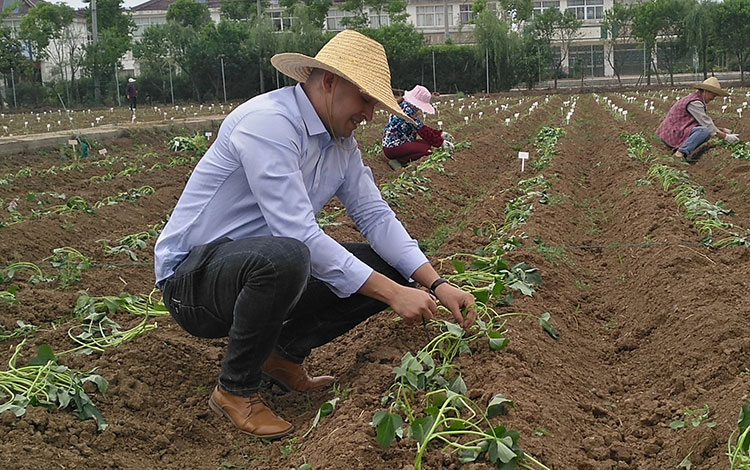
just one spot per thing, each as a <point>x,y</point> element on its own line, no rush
<point>695,417</point>
<point>582,285</point>
<point>290,446</point>
<point>342,391</point>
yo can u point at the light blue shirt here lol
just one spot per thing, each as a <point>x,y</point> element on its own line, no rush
<point>272,167</point>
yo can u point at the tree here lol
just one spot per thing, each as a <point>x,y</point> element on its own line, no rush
<point>402,43</point>
<point>241,10</point>
<point>515,12</point>
<point>553,25</point>
<point>189,13</point>
<point>43,24</point>
<point>115,27</point>
<point>616,22</point>
<point>396,10</point>
<point>307,12</point>
<point>493,37</point>
<point>734,18</point>
<point>674,47</point>
<point>700,29</point>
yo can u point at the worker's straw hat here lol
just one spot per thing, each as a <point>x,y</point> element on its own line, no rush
<point>711,84</point>
<point>352,56</point>
<point>420,97</point>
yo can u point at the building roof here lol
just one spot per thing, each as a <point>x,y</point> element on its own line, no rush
<point>21,9</point>
<point>163,5</point>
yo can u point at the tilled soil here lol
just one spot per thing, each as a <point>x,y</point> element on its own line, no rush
<point>651,321</point>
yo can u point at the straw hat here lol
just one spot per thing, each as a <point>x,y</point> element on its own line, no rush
<point>352,56</point>
<point>711,84</point>
<point>420,97</point>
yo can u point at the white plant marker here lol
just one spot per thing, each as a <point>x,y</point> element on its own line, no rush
<point>48,127</point>
<point>739,111</point>
<point>209,134</point>
<point>103,152</point>
<point>440,125</point>
<point>625,114</point>
<point>516,115</point>
<point>507,121</point>
<point>466,119</point>
<point>523,156</point>
<point>73,143</point>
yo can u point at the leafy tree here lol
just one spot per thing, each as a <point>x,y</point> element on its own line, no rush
<point>114,27</point>
<point>43,24</point>
<point>308,12</point>
<point>700,29</point>
<point>189,13</point>
<point>516,12</point>
<point>403,44</point>
<point>396,10</point>
<point>734,18</point>
<point>672,13</point>
<point>617,24</point>
<point>553,25</point>
<point>243,10</point>
<point>493,35</point>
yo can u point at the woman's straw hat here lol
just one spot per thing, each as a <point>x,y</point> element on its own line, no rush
<point>420,97</point>
<point>352,56</point>
<point>711,84</point>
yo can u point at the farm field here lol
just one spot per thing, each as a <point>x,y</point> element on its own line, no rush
<point>640,260</point>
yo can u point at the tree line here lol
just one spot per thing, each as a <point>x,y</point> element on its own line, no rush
<point>190,57</point>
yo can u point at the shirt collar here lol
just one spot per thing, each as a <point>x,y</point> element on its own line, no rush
<point>312,121</point>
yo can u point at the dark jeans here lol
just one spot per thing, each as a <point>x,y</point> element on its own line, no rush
<point>132,103</point>
<point>259,292</point>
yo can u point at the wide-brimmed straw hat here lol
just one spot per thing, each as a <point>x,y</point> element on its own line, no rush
<point>420,97</point>
<point>352,56</point>
<point>711,84</point>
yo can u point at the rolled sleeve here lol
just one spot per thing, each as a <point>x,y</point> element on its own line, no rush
<point>698,111</point>
<point>271,163</point>
<point>377,221</point>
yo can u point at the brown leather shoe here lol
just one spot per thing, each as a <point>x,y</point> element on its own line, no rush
<point>249,414</point>
<point>292,376</point>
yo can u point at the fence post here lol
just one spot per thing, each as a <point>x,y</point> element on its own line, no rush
<point>434,80</point>
<point>117,81</point>
<point>13,83</point>
<point>223,82</point>
<point>171,87</point>
<point>487,71</point>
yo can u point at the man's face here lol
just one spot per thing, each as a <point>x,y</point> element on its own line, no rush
<point>348,108</point>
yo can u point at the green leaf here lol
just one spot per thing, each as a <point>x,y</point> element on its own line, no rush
<point>459,266</point>
<point>453,328</point>
<point>500,449</point>
<point>482,295</point>
<point>544,321</point>
<point>497,341</point>
<point>677,424</point>
<point>305,466</point>
<point>43,356</point>
<point>743,422</point>
<point>457,385</point>
<point>325,410</point>
<point>497,406</point>
<point>469,455</point>
<point>386,425</point>
<point>421,427</point>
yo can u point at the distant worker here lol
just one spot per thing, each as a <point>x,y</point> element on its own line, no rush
<point>400,140</point>
<point>131,92</point>
<point>687,127</point>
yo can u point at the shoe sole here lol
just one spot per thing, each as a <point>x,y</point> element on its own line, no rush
<point>219,411</point>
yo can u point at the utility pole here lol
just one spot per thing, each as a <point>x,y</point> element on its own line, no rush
<point>260,59</point>
<point>445,19</point>
<point>94,39</point>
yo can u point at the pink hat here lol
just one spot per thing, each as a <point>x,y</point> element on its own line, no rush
<point>420,96</point>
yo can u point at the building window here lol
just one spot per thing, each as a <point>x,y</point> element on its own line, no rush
<point>432,16</point>
<point>333,21</point>
<point>378,20</point>
<point>587,9</point>
<point>539,7</point>
<point>280,21</point>
<point>466,14</point>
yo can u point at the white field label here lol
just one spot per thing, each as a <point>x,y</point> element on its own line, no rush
<point>523,156</point>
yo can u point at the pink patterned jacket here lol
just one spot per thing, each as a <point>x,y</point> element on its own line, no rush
<point>676,127</point>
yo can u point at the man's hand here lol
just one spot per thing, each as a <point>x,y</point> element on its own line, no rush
<point>457,301</point>
<point>732,138</point>
<point>414,306</point>
<point>446,136</point>
<point>448,145</point>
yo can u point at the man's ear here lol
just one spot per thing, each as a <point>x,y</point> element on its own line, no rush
<point>328,80</point>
